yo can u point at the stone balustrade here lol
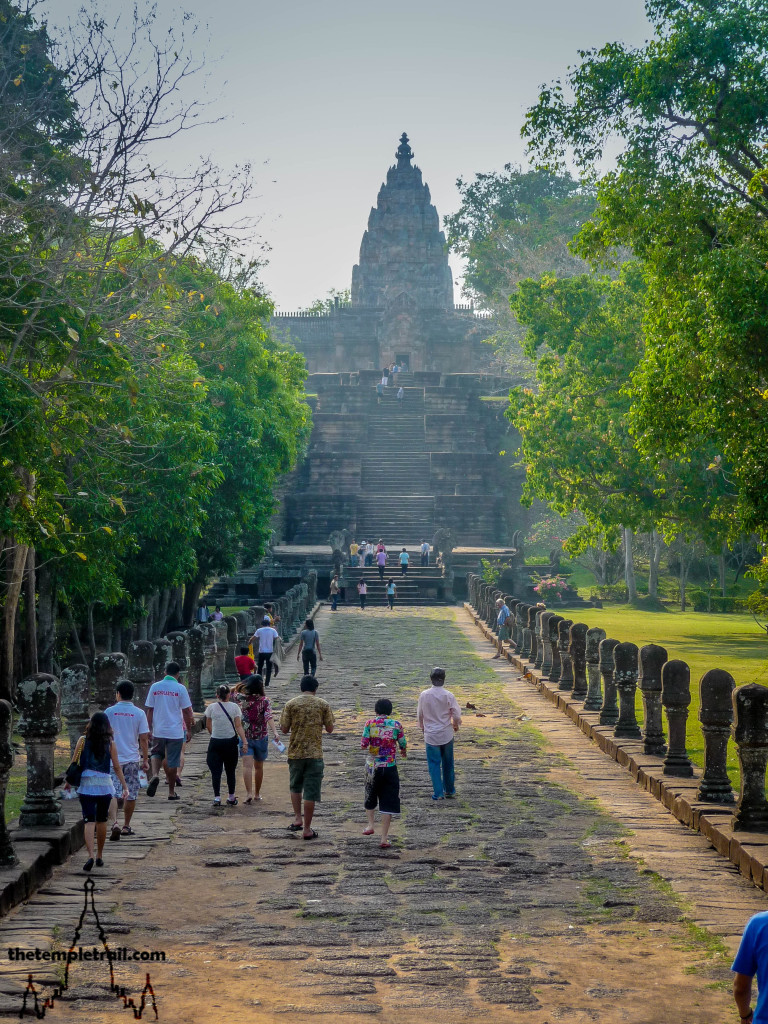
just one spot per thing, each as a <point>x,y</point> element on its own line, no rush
<point>74,701</point>
<point>578,650</point>
<point>609,711</point>
<point>594,698</point>
<point>564,646</point>
<point>652,660</point>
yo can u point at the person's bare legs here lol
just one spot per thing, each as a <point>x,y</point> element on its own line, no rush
<point>90,828</point>
<point>129,806</point>
<point>386,821</point>
<point>248,777</point>
<point>101,835</point>
<point>171,774</point>
<point>113,811</point>
<point>258,778</point>
<point>309,810</point>
<point>371,815</point>
<point>296,804</point>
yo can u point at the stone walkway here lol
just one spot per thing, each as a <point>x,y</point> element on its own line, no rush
<point>525,897</point>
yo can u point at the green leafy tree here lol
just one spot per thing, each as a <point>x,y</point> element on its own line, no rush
<point>334,297</point>
<point>689,196</point>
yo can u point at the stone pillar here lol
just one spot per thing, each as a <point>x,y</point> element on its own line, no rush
<point>529,614</point>
<point>652,660</point>
<point>578,650</point>
<point>179,648</point>
<point>74,701</point>
<point>538,650</point>
<point>162,656</point>
<point>609,711</point>
<point>716,717</point>
<point>107,669</point>
<point>676,696</point>
<point>7,855</point>
<point>750,733</point>
<point>311,580</point>
<point>564,647</point>
<point>141,667</point>
<point>554,637</point>
<point>230,667</point>
<point>625,679</point>
<point>38,699</point>
<point>243,633</point>
<point>594,699</point>
<point>220,654</point>
<point>209,653</point>
<point>196,666</point>
<point>546,643</point>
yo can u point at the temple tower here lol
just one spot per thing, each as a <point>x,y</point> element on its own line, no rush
<point>403,255</point>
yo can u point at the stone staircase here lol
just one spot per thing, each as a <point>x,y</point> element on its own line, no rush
<point>423,585</point>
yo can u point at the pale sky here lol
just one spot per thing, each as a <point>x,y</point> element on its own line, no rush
<point>315,94</point>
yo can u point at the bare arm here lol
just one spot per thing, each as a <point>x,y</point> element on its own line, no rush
<point>208,724</point>
<point>742,994</point>
<point>149,717</point>
<point>144,746</point>
<point>301,648</point>
<point>189,718</point>
<point>319,652</point>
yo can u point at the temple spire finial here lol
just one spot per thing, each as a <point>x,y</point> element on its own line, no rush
<point>404,153</point>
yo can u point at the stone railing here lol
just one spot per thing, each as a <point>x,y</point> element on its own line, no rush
<point>605,675</point>
<point>206,653</point>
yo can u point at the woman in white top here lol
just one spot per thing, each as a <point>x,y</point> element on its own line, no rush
<point>223,720</point>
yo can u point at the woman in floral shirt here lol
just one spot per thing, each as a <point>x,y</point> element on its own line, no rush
<point>258,724</point>
<point>382,736</point>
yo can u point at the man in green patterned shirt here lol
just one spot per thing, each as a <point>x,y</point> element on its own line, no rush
<point>304,718</point>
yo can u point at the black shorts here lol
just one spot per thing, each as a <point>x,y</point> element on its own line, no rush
<point>382,787</point>
<point>95,808</point>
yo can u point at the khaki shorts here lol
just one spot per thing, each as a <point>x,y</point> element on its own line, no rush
<point>306,776</point>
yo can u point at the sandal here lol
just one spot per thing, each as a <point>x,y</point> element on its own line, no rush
<point>293,827</point>
<point>368,831</point>
<point>312,835</point>
<point>231,803</point>
<point>248,800</point>
<point>115,834</point>
<point>127,831</point>
<point>385,845</point>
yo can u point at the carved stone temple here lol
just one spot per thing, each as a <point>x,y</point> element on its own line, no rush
<point>424,467</point>
<point>402,307</point>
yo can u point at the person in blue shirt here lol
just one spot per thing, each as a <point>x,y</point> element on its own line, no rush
<point>404,560</point>
<point>751,960</point>
<point>502,615</point>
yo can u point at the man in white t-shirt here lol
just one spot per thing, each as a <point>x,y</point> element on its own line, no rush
<point>130,730</point>
<point>425,552</point>
<point>170,718</point>
<point>265,638</point>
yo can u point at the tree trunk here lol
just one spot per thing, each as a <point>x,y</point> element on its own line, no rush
<point>14,559</point>
<point>141,622</point>
<point>91,636</point>
<point>684,569</point>
<point>30,662</point>
<point>721,570</point>
<point>192,593</point>
<point>47,612</point>
<point>74,632</point>
<point>176,613</point>
<point>656,547</point>
<point>629,566</point>
<point>161,626</point>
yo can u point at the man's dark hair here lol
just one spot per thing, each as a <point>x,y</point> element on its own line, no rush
<point>309,624</point>
<point>383,706</point>
<point>243,650</point>
<point>125,689</point>
<point>437,676</point>
<point>173,668</point>
<point>308,684</point>
<point>254,685</point>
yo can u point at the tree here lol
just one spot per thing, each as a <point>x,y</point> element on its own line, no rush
<point>689,196</point>
<point>334,298</point>
<point>511,226</point>
<point>585,334</point>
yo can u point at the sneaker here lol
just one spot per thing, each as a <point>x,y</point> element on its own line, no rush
<point>153,784</point>
<point>99,862</point>
<point>88,864</point>
<point>436,797</point>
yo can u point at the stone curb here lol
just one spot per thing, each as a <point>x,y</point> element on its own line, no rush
<point>747,851</point>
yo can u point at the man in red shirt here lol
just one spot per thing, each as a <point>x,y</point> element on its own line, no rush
<point>245,664</point>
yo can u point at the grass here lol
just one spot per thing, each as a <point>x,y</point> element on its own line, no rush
<point>730,642</point>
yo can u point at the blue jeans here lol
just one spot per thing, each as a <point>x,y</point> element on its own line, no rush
<point>440,764</point>
<point>335,599</point>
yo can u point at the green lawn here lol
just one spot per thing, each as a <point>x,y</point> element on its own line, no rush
<point>730,642</point>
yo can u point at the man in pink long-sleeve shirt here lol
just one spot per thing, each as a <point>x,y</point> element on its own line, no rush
<point>439,718</point>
